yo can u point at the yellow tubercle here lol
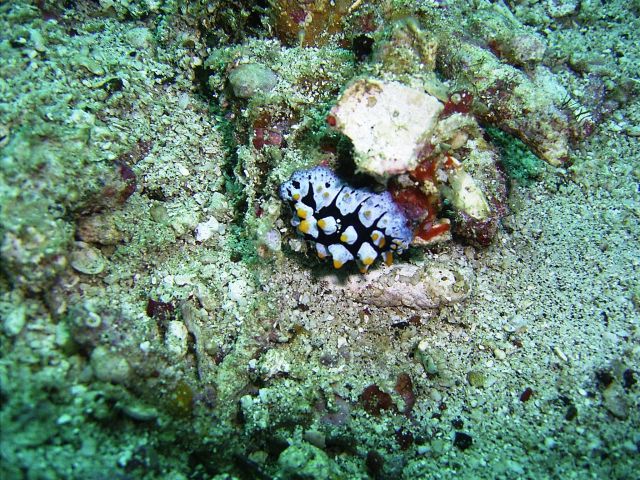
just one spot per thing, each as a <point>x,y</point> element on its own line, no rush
<point>322,223</point>
<point>344,238</point>
<point>304,226</point>
<point>296,196</point>
<point>368,260</point>
<point>337,264</point>
<point>321,255</point>
<point>302,213</point>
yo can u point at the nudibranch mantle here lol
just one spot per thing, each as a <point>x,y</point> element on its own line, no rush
<point>344,222</point>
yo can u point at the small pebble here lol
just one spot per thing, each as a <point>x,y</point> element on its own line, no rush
<point>37,40</point>
<point>499,354</point>
<point>109,366</point>
<point>15,321</point>
<point>87,260</point>
<point>560,354</point>
<point>476,379</point>
<point>251,78</point>
<point>425,358</point>
<point>206,230</point>
<point>159,213</point>
<point>182,280</point>
<point>615,401</point>
<point>184,171</point>
<point>140,412</point>
<point>633,131</point>
<point>239,291</point>
<point>100,229</point>
<point>296,244</point>
<point>422,449</point>
<point>176,339</point>
<point>63,419</point>
<point>462,440</point>
<point>315,438</point>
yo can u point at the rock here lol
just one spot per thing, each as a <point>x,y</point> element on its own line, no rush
<point>86,259</point>
<point>306,462</point>
<point>273,364</point>
<point>499,354</point>
<point>140,38</point>
<point>466,196</point>
<point>176,338</point>
<point>109,366</point>
<point>503,93</point>
<point>159,213</point>
<point>272,240</point>
<point>184,221</point>
<point>525,49</point>
<point>206,230</point>
<point>476,379</point>
<point>240,292</point>
<point>250,79</point>
<point>315,438</point>
<point>424,356</point>
<point>614,400</point>
<point>139,411</point>
<point>411,286</point>
<point>15,320</point>
<point>99,228</point>
<point>388,123</point>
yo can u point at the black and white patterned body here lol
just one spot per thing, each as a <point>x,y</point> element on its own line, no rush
<point>343,222</point>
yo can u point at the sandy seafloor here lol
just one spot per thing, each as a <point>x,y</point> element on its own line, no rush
<point>254,360</point>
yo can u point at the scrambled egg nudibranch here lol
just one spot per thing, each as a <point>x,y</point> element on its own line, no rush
<point>344,222</point>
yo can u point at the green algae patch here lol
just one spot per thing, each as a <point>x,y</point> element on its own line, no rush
<point>304,461</point>
<point>519,162</point>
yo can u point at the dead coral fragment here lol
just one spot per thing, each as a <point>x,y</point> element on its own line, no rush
<point>387,122</point>
<point>411,286</point>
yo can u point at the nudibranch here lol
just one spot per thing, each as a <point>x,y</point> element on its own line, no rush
<point>344,222</point>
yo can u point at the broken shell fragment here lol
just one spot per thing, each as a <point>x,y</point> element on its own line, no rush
<point>87,259</point>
